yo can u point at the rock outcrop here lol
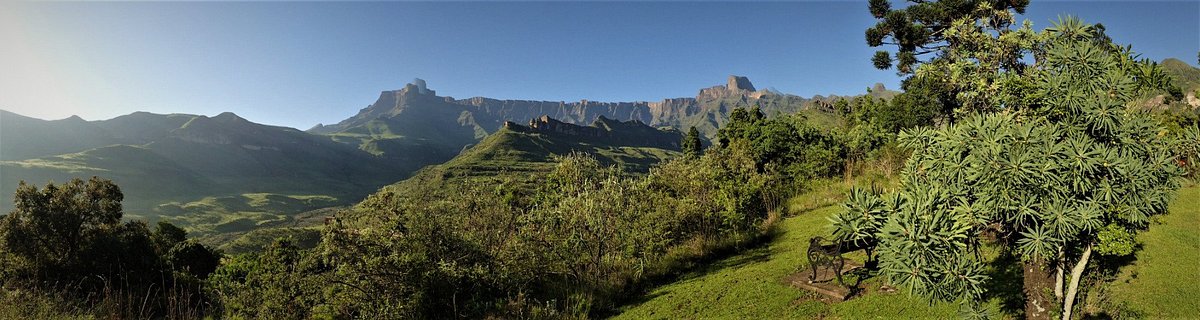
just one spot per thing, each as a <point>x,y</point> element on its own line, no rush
<point>739,84</point>
<point>546,124</point>
<point>604,131</point>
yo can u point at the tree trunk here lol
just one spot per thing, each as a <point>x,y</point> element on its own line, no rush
<point>1076,274</point>
<point>1037,280</point>
<point>848,174</point>
<point>1058,276</point>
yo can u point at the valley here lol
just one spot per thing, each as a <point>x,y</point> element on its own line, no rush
<point>222,176</point>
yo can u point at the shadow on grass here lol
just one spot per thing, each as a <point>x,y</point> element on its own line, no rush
<point>1006,283</point>
<point>755,250</point>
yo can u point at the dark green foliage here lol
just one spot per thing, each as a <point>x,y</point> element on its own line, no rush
<point>259,239</point>
<point>69,238</point>
<point>912,108</point>
<point>167,235</point>
<point>73,231</point>
<point>787,144</point>
<point>692,146</point>
<point>193,258</point>
<point>864,214</point>
<point>1044,176</point>
<point>919,28</point>
<point>278,283</point>
<point>1186,149</point>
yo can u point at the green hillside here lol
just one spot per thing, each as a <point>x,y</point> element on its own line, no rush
<point>210,174</point>
<point>1185,75</point>
<point>521,152</point>
<point>145,177</point>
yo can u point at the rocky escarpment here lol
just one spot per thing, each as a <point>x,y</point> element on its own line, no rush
<point>491,113</point>
<point>545,124</point>
<point>416,120</point>
<point>604,131</point>
<point>709,105</point>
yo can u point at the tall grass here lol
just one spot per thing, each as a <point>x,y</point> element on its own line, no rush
<point>166,299</point>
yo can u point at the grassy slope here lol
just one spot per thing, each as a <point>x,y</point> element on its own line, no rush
<point>1186,76</point>
<point>1163,281</point>
<point>751,285</point>
<point>232,214</point>
<point>524,157</point>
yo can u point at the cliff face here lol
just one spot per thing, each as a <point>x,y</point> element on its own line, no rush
<point>491,113</point>
<point>707,110</point>
<point>415,119</point>
<point>604,131</point>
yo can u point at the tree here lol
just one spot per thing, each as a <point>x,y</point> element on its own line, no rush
<point>1053,178</point>
<point>194,258</point>
<point>920,28</point>
<point>280,282</point>
<point>167,235</point>
<point>973,51</point>
<point>67,233</point>
<point>692,146</point>
<point>784,143</point>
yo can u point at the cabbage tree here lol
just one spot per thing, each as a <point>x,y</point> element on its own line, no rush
<point>1047,176</point>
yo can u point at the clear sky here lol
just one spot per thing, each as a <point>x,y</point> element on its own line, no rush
<point>298,64</point>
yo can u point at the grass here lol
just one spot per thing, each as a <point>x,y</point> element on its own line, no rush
<point>257,240</point>
<point>751,285</point>
<point>1160,283</point>
<point>217,215</point>
<point>1163,282</point>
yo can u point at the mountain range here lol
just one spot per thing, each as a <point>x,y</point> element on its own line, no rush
<point>224,173</point>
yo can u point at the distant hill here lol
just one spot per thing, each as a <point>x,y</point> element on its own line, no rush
<point>521,152</point>
<point>159,159</point>
<point>1185,75</point>
<point>1186,78</point>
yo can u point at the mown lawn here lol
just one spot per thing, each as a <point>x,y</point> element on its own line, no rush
<point>1164,280</point>
<point>751,285</point>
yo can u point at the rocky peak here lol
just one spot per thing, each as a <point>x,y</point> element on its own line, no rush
<point>417,86</point>
<point>739,83</point>
<point>550,125</point>
<point>228,117</point>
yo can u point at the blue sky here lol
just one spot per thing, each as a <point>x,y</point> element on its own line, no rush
<point>298,64</point>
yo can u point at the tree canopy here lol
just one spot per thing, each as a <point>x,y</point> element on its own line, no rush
<point>1048,175</point>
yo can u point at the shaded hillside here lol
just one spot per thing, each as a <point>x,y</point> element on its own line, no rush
<point>24,137</point>
<point>158,159</point>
